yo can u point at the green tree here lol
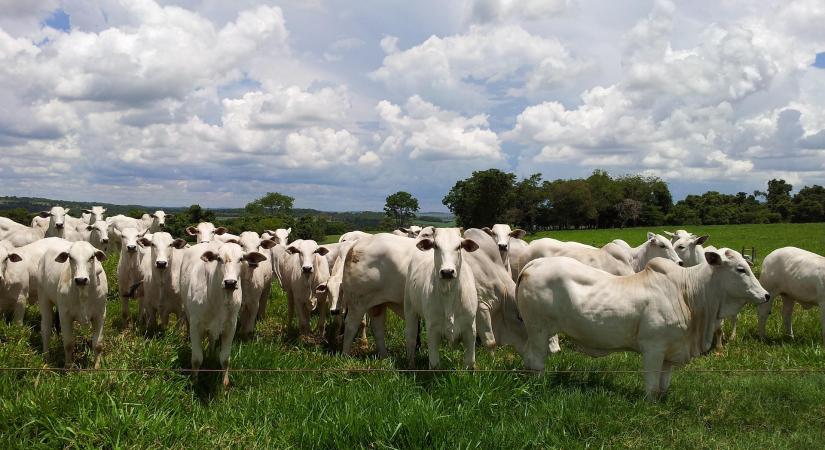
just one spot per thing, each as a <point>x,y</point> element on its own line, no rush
<point>400,209</point>
<point>779,198</point>
<point>271,204</point>
<point>19,215</point>
<point>482,199</point>
<point>809,204</point>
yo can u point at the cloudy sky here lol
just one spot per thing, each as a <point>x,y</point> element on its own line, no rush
<point>339,103</point>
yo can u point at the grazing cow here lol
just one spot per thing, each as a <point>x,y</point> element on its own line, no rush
<point>280,236</point>
<point>156,221</point>
<point>503,234</point>
<point>256,280</point>
<point>157,299</point>
<point>353,236</point>
<point>302,268</point>
<point>90,216</point>
<point>612,258</point>
<point>212,292</point>
<point>411,232</point>
<point>667,313</point>
<point>128,267</point>
<point>441,290</point>
<point>205,232</point>
<point>799,277</point>
<point>14,282</point>
<point>73,280</point>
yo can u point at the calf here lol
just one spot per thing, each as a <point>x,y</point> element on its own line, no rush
<point>667,313</point>
<point>73,280</point>
<point>256,280</point>
<point>302,267</point>
<point>441,290</point>
<point>212,292</point>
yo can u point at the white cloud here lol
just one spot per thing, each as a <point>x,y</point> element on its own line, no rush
<point>484,11</point>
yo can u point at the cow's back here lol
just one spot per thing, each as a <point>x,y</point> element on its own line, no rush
<point>794,272</point>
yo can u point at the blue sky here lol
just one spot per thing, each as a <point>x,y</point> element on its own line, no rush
<point>340,103</point>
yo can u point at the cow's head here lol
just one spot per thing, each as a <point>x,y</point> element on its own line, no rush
<point>230,258</point>
<point>734,280</point>
<point>95,214</point>
<point>501,233</point>
<point>56,215</point>
<point>689,248</point>
<point>659,246</point>
<point>251,242</point>
<point>159,218</point>
<point>205,232</point>
<point>306,251</point>
<point>280,236</point>
<point>101,228</point>
<point>412,231</point>
<point>160,247</point>
<point>129,239</point>
<point>83,260</point>
<point>446,243</point>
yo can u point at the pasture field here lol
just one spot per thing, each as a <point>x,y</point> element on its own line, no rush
<point>388,409</point>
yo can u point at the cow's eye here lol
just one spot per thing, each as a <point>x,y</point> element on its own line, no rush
<point>661,245</point>
<point>92,258</point>
<point>681,247</point>
<point>741,269</point>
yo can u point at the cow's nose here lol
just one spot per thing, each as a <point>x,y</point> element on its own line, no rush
<point>307,269</point>
<point>131,248</point>
<point>230,284</point>
<point>767,298</point>
<point>335,312</point>
<point>104,241</point>
<point>161,264</point>
<point>502,246</point>
<point>59,225</point>
<point>81,281</point>
<point>447,273</point>
<point>681,263</point>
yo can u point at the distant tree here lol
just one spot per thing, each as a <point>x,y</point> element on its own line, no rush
<point>779,198</point>
<point>571,203</point>
<point>809,204</point>
<point>271,204</point>
<point>135,213</point>
<point>400,209</point>
<point>19,215</point>
<point>482,199</point>
<point>528,203</point>
<point>606,194</point>
<point>310,227</point>
<point>629,211</point>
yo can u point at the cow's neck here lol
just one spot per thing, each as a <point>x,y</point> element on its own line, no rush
<point>702,304</point>
<point>639,256</point>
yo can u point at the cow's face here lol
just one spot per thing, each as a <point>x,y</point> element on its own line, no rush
<point>56,215</point>
<point>160,247</point>
<point>332,289</point>
<point>501,233</point>
<point>129,239</point>
<point>412,232</point>
<point>280,236</point>
<point>159,217</point>
<point>95,214</point>
<point>6,258</point>
<point>101,228</point>
<point>205,232</point>
<point>251,242</point>
<point>689,249</point>
<point>661,247</point>
<point>306,251</point>
<point>446,243</point>
<point>230,258</point>
<point>82,259</point>
<point>733,277</point>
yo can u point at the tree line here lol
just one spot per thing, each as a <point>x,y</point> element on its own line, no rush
<point>602,201</point>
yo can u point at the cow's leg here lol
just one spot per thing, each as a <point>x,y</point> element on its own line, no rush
<point>97,338</point>
<point>537,348</point>
<point>290,308</point>
<point>733,321</point>
<point>553,345</point>
<point>469,341</point>
<point>247,319</point>
<point>764,310</point>
<point>19,310</point>
<point>652,360</point>
<point>351,323</point>
<point>196,342</point>
<point>304,311</point>
<point>124,309</point>
<point>68,337</point>
<point>664,380</point>
<point>484,325</point>
<point>378,320</point>
<point>46,318</point>
<point>227,336</point>
<point>822,321</point>
<point>363,328</point>
<point>787,313</point>
<point>410,335</point>
<point>433,343</point>
<point>260,314</point>
<point>322,316</point>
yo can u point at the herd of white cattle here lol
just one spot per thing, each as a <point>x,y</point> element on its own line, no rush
<point>665,299</point>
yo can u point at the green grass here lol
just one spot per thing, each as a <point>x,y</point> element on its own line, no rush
<point>395,410</point>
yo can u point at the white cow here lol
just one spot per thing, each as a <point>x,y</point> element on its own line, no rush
<point>212,292</point>
<point>73,280</point>
<point>25,236</point>
<point>227,237</point>
<point>256,280</point>
<point>32,254</point>
<point>690,250</point>
<point>14,282</point>
<point>799,277</point>
<point>156,297</point>
<point>353,236</point>
<point>678,234</point>
<point>302,268</point>
<point>7,226</point>
<point>119,223</point>
<point>612,258</point>
<point>667,313</point>
<point>441,290</point>
<point>156,221</point>
<point>280,236</point>
<point>128,267</point>
<point>332,287</point>
<point>205,232</point>
<point>411,232</point>
<point>502,234</point>
<point>58,220</point>
<point>96,234</point>
<point>90,216</point>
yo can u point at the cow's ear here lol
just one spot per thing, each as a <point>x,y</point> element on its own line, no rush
<point>488,231</point>
<point>667,233</point>
<point>289,230</point>
<point>254,257</point>
<point>62,257</point>
<point>143,233</point>
<point>87,211</point>
<point>271,233</point>
<point>169,216</point>
<point>267,244</point>
<point>66,211</point>
<point>321,288</point>
<point>322,251</point>
<point>232,241</point>
<point>713,258</point>
<point>702,239</point>
<point>14,257</point>
<point>220,230</point>
<point>425,244</point>
<point>518,233</point>
<point>44,214</point>
<point>103,211</point>
<point>209,256</point>
<point>469,245</point>
<point>117,232</point>
<point>145,242</point>
<point>179,243</point>
<point>89,228</point>
<point>404,230</point>
<point>191,231</point>
<point>100,256</point>
<point>650,236</point>
<point>293,250</point>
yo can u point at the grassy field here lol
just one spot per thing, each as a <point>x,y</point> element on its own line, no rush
<point>43,409</point>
